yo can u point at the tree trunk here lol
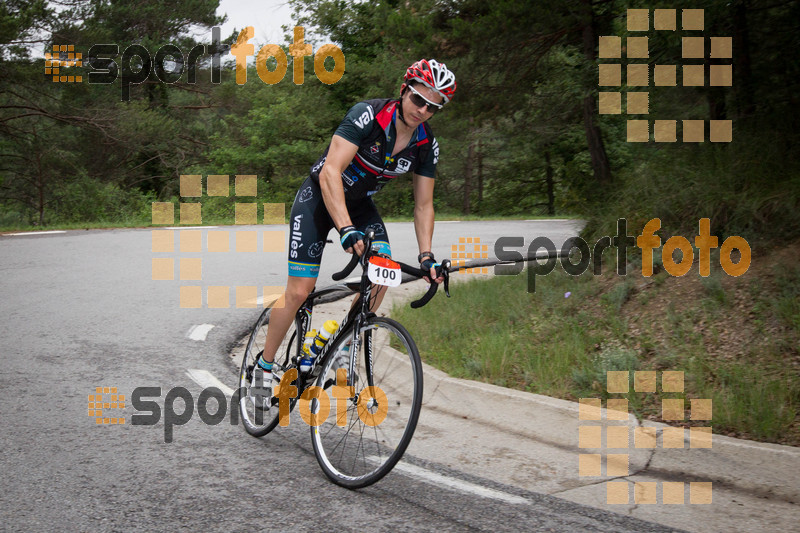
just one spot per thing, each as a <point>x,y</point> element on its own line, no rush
<point>480,176</point>
<point>465,207</point>
<point>39,179</point>
<point>716,103</point>
<point>551,207</point>
<point>594,139</point>
<point>742,73</point>
<point>716,96</point>
<point>468,180</point>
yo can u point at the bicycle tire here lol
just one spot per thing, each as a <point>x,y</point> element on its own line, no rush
<point>255,423</point>
<point>358,454</point>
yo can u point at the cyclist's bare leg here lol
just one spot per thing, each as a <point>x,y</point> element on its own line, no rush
<point>281,319</point>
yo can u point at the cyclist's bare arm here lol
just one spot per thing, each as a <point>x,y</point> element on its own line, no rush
<point>423,216</point>
<point>340,154</point>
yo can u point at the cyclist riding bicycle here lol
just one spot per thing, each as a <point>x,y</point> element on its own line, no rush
<point>377,141</point>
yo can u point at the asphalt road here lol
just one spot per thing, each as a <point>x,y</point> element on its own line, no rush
<point>80,310</point>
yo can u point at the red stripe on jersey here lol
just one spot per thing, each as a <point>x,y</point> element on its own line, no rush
<point>384,116</point>
<point>365,166</point>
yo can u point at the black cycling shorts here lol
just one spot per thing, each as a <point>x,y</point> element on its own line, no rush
<point>310,223</point>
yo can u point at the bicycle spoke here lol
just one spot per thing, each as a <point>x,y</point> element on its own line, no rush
<point>368,448</point>
<point>257,418</point>
<point>345,432</point>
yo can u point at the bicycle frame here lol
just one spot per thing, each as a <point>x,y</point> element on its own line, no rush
<point>356,316</point>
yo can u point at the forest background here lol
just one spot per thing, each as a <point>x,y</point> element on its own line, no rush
<point>523,136</point>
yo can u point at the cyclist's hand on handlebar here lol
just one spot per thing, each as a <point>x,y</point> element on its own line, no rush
<point>358,248</point>
<point>352,240</point>
<point>433,268</point>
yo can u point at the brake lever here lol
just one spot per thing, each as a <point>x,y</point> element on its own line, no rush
<point>446,272</point>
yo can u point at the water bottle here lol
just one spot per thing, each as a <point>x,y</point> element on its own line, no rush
<point>328,329</point>
<point>306,359</point>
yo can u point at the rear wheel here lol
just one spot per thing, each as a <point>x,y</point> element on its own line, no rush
<point>259,419</point>
<point>362,439</point>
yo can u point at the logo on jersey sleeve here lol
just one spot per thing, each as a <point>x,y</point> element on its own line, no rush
<point>435,151</point>
<point>365,118</point>
<point>319,165</point>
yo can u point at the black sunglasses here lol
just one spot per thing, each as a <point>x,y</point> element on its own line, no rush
<point>420,101</point>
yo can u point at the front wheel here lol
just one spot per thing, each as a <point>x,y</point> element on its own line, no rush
<point>368,427</point>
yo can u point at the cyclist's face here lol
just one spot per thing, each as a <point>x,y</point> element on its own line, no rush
<point>413,113</point>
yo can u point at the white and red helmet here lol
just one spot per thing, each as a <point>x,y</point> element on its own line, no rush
<point>434,75</point>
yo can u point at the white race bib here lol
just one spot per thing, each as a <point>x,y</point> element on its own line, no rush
<point>383,271</point>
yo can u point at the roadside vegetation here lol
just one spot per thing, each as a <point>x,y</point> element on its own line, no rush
<point>737,340</point>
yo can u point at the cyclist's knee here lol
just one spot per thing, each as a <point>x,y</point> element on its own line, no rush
<point>298,289</point>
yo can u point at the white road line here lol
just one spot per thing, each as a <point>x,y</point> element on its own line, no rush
<point>260,300</point>
<point>36,233</point>
<point>191,227</point>
<point>457,484</point>
<point>755,446</point>
<point>199,333</point>
<point>206,379</point>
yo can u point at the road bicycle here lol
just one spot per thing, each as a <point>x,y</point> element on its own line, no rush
<point>378,387</point>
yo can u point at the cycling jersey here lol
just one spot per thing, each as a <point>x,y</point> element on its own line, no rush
<point>371,126</point>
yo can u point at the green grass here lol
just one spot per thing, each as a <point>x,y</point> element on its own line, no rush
<point>748,187</point>
<point>753,401</point>
<point>209,219</point>
<point>74,226</point>
<point>617,296</point>
<point>110,225</point>
<point>494,331</point>
<point>787,302</point>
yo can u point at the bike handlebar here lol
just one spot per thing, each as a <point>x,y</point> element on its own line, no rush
<point>339,276</point>
<point>442,269</point>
